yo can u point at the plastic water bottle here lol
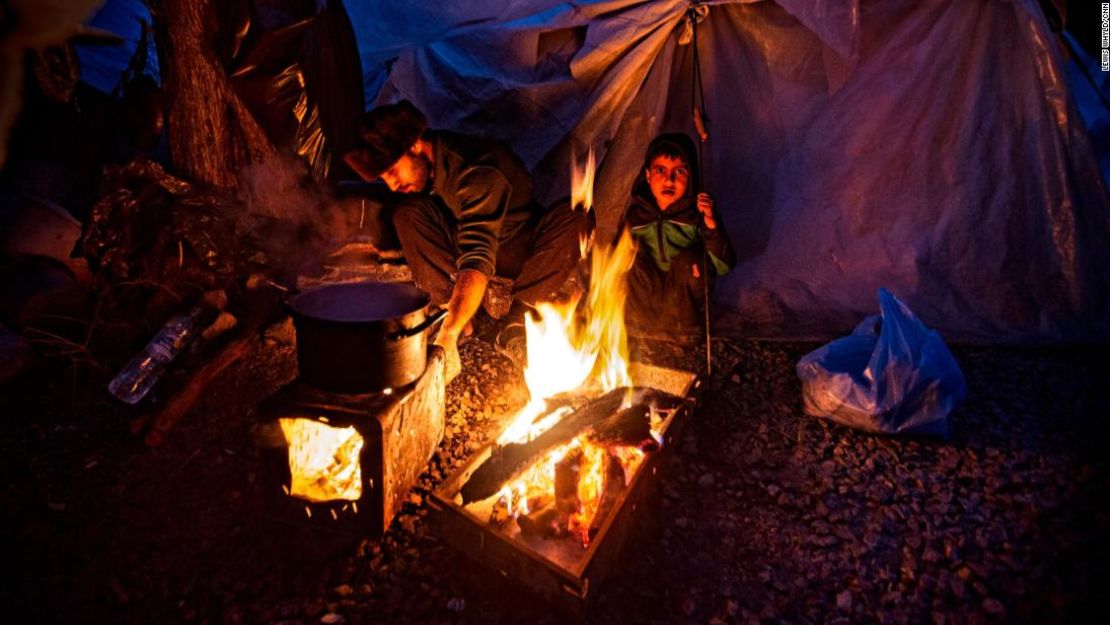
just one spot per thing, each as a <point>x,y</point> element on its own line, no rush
<point>135,380</point>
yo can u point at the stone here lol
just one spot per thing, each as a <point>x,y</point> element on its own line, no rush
<point>844,600</point>
<point>689,605</point>
<point>993,606</point>
<point>15,353</point>
<point>38,227</point>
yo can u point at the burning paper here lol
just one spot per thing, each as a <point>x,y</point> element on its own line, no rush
<point>323,460</point>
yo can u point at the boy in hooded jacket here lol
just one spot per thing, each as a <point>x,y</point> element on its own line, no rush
<point>671,221</point>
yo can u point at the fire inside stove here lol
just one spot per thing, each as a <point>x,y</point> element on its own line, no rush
<point>350,459</point>
<point>323,460</point>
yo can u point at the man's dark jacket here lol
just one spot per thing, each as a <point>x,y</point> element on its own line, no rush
<point>487,190</point>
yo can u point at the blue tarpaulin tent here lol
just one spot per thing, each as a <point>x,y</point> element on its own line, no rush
<point>933,148</point>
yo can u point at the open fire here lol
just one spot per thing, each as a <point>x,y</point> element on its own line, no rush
<point>575,354</point>
<point>585,431</point>
<point>566,463</point>
<point>551,503</point>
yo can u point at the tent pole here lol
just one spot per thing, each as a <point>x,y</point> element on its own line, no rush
<point>696,89</point>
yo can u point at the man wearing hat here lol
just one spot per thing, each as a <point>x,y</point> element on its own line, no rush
<point>465,213</point>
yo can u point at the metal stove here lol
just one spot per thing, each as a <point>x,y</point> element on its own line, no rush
<point>399,429</point>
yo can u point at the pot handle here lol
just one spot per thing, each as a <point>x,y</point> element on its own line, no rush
<point>428,322</point>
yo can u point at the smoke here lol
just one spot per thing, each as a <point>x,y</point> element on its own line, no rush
<point>294,220</point>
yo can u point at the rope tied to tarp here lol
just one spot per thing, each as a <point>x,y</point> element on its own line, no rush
<point>695,14</point>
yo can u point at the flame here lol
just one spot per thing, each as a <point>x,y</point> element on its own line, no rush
<point>582,194</point>
<point>630,459</point>
<point>582,182</point>
<point>579,346</point>
<point>323,460</point>
<point>568,347</point>
<point>605,311</point>
<point>591,484</point>
<point>556,361</point>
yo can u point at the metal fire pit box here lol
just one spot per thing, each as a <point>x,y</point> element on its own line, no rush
<point>566,578</point>
<point>400,430</point>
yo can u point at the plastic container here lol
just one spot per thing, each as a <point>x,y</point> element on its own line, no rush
<point>136,379</point>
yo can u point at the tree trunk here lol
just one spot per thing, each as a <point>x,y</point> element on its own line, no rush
<point>212,136</point>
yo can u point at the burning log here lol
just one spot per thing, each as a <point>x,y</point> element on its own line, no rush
<point>546,522</point>
<point>567,473</point>
<point>563,516</point>
<point>569,402</point>
<point>602,416</point>
<point>629,426</point>
<point>612,486</point>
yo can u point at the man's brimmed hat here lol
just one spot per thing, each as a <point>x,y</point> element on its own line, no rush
<point>385,133</point>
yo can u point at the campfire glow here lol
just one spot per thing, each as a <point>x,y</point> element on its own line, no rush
<point>574,349</point>
<point>323,460</point>
<point>567,352</point>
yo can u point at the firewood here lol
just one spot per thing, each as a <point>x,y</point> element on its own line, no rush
<point>612,487</point>
<point>629,426</point>
<point>181,403</point>
<point>543,523</point>
<point>262,302</point>
<point>567,474</point>
<point>602,414</point>
<point>500,514</point>
<point>558,402</point>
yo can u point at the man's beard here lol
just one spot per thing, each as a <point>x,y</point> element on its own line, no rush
<point>422,173</point>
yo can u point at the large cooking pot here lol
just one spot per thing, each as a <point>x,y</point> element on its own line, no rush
<point>360,338</point>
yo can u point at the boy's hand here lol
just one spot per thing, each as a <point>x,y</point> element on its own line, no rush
<point>705,207</point>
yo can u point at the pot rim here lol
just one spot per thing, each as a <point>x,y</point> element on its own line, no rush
<point>359,302</point>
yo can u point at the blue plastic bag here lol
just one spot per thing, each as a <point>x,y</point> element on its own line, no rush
<point>892,375</point>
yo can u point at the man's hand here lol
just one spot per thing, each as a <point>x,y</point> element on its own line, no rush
<point>470,286</point>
<point>452,363</point>
<point>705,207</point>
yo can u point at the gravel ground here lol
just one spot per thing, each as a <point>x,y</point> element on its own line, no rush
<point>763,514</point>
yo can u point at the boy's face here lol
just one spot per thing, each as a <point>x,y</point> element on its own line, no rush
<point>668,177</point>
